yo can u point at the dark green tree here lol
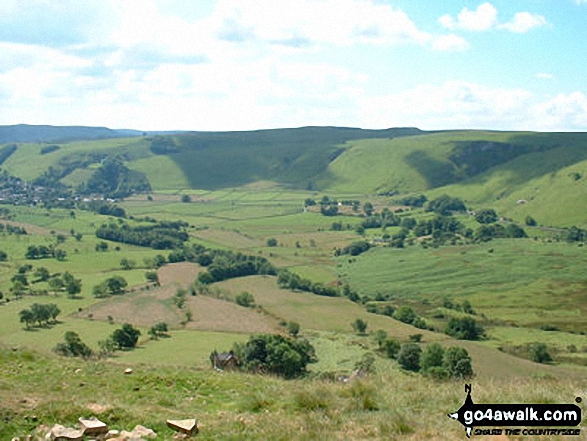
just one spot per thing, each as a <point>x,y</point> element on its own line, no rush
<point>73,346</point>
<point>539,353</point>
<point>405,314</point>
<point>360,326</point>
<point>457,362</point>
<point>464,328</point>
<point>486,216</point>
<point>432,356</point>
<point>126,337</point>
<point>293,328</point>
<point>245,299</point>
<point>408,357</point>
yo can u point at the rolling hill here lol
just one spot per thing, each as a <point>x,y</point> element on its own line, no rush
<point>547,170</point>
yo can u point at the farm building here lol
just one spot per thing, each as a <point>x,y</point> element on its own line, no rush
<point>224,361</point>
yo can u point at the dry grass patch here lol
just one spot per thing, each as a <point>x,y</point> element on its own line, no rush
<point>180,274</point>
<point>315,312</point>
<point>212,314</point>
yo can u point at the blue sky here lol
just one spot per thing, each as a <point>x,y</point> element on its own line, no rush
<point>255,64</point>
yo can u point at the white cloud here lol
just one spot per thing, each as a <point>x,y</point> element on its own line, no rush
<point>544,76</point>
<point>454,104</point>
<point>306,22</point>
<point>523,22</point>
<point>484,18</point>
<point>450,42</point>
<point>464,105</point>
<point>563,112</point>
<point>481,19</point>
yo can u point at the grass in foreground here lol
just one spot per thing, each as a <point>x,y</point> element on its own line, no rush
<point>242,406</point>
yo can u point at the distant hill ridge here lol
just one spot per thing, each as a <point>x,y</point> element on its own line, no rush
<point>47,133</point>
<point>488,168</point>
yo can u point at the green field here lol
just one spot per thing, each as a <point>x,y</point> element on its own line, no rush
<point>248,187</point>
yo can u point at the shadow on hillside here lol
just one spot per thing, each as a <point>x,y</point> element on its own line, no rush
<point>295,157</point>
<point>523,158</point>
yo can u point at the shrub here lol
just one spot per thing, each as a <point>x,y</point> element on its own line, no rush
<point>464,328</point>
<point>245,299</point>
<point>457,362</point>
<point>405,314</point>
<point>360,326</point>
<point>73,346</point>
<point>539,353</point>
<point>409,357</point>
<point>277,355</point>
<point>433,356</point>
<point>391,347</point>
<point>272,242</point>
<point>126,337</point>
<point>293,328</point>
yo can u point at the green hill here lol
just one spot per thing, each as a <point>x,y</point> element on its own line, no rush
<point>499,169</point>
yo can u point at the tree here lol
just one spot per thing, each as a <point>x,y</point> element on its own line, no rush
<point>73,346</point>
<point>486,216</point>
<point>73,286</point>
<point>245,299</point>
<point>391,347</point>
<point>293,328</point>
<point>54,311</point>
<point>445,205</point>
<point>272,242</point>
<point>278,355</point>
<point>18,289</point>
<point>22,278</point>
<point>126,337</point>
<point>26,317</point>
<point>101,246</point>
<point>3,256</point>
<point>116,284</point>
<point>42,274</point>
<point>127,264</point>
<point>409,357</point>
<point>457,362</point>
<point>60,255</point>
<point>158,330</point>
<point>539,353</point>
<point>179,297</point>
<point>530,221</point>
<point>433,356</point>
<point>464,328</point>
<point>152,276</point>
<point>186,199</point>
<point>405,314</point>
<point>368,208</point>
<point>41,313</point>
<point>380,336</point>
<point>360,326</point>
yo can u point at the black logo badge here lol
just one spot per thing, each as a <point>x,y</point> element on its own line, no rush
<point>473,415</point>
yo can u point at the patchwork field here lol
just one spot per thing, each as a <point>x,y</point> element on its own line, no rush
<point>522,291</point>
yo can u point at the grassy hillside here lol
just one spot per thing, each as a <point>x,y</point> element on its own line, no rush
<point>497,169</point>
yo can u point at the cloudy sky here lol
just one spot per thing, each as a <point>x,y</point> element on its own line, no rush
<point>254,64</point>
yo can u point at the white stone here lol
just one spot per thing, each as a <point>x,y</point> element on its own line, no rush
<point>189,426</point>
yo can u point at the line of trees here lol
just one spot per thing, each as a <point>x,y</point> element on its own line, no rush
<point>161,236</point>
<point>288,280</point>
<point>35,252</point>
<point>41,314</point>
